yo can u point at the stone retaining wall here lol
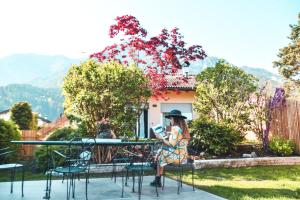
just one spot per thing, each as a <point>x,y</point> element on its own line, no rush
<point>215,163</point>
<point>246,162</point>
<point>106,168</point>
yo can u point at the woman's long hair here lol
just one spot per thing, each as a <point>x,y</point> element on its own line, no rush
<point>183,125</point>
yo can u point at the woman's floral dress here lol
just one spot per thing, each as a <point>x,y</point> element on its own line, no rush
<point>176,153</point>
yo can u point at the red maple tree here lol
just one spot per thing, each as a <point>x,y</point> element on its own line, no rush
<point>159,56</point>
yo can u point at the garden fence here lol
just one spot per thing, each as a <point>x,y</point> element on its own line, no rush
<point>285,122</point>
<point>28,150</point>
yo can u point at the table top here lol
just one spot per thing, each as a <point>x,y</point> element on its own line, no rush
<point>66,142</point>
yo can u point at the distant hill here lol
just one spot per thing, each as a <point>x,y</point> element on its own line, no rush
<point>38,70</point>
<point>197,67</point>
<point>264,76</point>
<point>48,102</point>
<point>261,74</point>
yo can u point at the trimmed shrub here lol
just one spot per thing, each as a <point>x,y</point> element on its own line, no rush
<point>213,138</point>
<point>281,146</point>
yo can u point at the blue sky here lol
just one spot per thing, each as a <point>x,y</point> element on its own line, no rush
<point>245,32</point>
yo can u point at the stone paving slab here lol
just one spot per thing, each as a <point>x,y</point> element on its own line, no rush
<point>103,188</point>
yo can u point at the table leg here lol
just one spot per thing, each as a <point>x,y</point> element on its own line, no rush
<point>48,174</point>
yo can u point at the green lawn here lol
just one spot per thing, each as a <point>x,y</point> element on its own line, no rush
<point>276,182</point>
<point>5,176</point>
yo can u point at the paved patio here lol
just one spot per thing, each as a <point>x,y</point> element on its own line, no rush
<point>102,188</point>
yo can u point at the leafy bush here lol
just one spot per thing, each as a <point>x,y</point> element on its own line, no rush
<point>214,138</point>
<point>9,131</point>
<point>281,147</point>
<point>66,133</point>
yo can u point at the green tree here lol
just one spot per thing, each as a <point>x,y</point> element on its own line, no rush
<point>96,90</point>
<point>222,95</point>
<point>9,131</point>
<point>21,114</point>
<point>289,60</point>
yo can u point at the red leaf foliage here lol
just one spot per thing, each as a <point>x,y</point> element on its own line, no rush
<point>159,56</point>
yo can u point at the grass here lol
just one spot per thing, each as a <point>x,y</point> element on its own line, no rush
<point>5,176</point>
<point>251,183</point>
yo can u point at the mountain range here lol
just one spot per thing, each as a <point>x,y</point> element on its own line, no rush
<point>38,70</point>
<point>37,79</point>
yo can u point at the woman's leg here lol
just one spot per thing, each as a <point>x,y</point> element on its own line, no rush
<point>159,171</point>
<point>157,180</point>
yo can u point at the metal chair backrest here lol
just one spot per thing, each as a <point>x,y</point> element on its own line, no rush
<point>78,153</point>
<point>4,152</point>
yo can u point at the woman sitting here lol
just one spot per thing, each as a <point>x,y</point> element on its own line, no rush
<point>174,150</point>
<point>104,153</point>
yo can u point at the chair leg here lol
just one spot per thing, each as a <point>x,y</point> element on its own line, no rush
<point>181,176</point>
<point>50,184</point>
<point>11,178</point>
<point>86,185</point>
<point>163,185</point>
<point>68,189</point>
<point>122,185</point>
<point>178,181</point>
<point>156,188</point>
<point>133,181</point>
<point>23,181</point>
<point>140,185</point>
<point>63,178</point>
<point>126,183</point>
<point>73,185</point>
<point>112,172</point>
<point>115,174</point>
<point>193,171</point>
<point>142,177</point>
<point>13,173</point>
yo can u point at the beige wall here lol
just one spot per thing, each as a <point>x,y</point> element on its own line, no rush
<point>154,112</point>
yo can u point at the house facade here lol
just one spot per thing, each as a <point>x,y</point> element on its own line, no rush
<point>180,96</point>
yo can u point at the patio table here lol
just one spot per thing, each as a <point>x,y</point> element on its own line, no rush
<point>80,143</point>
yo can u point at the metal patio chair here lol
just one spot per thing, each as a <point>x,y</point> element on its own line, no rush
<point>179,168</point>
<point>13,167</point>
<point>73,163</point>
<point>139,165</point>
